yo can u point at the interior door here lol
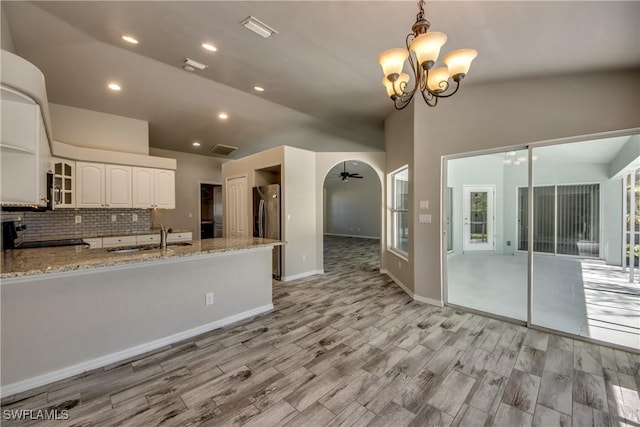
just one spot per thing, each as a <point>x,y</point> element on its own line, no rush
<point>479,218</point>
<point>236,202</point>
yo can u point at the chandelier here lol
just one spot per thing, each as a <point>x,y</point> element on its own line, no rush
<point>433,83</point>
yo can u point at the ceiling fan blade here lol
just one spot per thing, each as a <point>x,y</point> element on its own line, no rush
<point>353,176</point>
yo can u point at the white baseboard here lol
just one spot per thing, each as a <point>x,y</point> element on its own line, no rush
<point>301,275</point>
<point>428,301</point>
<point>99,362</point>
<point>352,235</point>
<point>410,292</point>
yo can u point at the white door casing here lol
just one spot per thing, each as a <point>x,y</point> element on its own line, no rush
<point>479,217</point>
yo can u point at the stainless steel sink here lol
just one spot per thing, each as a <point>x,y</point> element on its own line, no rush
<point>172,245</point>
<point>134,249</point>
<point>123,250</point>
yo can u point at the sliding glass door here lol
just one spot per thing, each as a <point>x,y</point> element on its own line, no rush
<point>548,235</point>
<point>485,272</point>
<point>566,220</point>
<point>578,285</point>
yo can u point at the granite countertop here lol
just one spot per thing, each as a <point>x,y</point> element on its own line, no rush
<point>38,261</point>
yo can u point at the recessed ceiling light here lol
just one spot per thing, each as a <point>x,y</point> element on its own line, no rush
<point>223,116</point>
<point>258,89</point>
<point>114,87</point>
<point>196,144</point>
<point>355,163</point>
<point>209,47</point>
<point>130,39</point>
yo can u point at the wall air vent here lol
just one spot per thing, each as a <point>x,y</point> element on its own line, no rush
<point>222,150</point>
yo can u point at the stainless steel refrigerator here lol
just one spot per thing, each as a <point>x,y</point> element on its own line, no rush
<point>266,219</point>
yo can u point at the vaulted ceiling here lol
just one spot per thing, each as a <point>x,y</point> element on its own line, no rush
<point>320,74</point>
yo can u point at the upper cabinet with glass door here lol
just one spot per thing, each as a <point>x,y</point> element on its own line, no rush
<point>64,183</point>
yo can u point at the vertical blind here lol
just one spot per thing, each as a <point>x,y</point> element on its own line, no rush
<point>566,219</point>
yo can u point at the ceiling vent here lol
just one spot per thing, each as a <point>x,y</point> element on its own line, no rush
<point>222,150</point>
<point>191,65</point>
<point>258,27</point>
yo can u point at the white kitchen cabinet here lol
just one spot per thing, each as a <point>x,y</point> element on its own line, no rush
<point>63,183</point>
<point>111,242</point>
<point>99,185</point>
<point>117,186</point>
<point>147,239</point>
<point>90,185</point>
<point>24,150</point>
<point>154,188</point>
<point>179,237</point>
<point>164,188</point>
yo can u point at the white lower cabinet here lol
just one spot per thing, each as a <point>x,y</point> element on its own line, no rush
<point>148,239</point>
<point>179,237</point>
<point>110,242</point>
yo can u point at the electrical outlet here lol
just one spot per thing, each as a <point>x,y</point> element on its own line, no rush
<point>209,299</point>
<point>304,258</point>
<point>114,218</point>
<point>399,265</point>
<point>78,219</point>
<point>134,218</point>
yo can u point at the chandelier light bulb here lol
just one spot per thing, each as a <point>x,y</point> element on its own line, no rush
<point>427,48</point>
<point>392,62</point>
<point>438,80</point>
<point>459,62</point>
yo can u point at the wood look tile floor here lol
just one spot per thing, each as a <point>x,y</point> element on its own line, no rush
<point>350,348</point>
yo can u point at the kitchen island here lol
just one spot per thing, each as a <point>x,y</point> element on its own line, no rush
<point>68,310</point>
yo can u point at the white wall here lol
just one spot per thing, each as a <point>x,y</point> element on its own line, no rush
<point>500,115</point>
<point>192,169</point>
<point>352,208</point>
<point>299,213</point>
<point>92,129</point>
<point>6,39</point>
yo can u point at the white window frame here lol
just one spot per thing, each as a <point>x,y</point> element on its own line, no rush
<point>394,211</point>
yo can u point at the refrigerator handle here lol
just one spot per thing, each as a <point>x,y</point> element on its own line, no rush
<point>260,218</point>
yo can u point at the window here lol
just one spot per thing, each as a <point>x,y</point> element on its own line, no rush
<point>399,211</point>
<point>566,219</point>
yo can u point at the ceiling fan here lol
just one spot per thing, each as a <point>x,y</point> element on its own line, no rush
<point>344,175</point>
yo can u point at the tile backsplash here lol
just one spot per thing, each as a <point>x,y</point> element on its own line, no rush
<point>94,222</point>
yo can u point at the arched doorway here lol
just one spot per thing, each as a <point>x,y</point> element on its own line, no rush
<point>352,217</point>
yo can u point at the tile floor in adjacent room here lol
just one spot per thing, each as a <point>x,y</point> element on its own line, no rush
<point>351,348</point>
<point>582,297</point>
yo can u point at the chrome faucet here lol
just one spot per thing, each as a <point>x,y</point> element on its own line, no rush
<point>163,237</point>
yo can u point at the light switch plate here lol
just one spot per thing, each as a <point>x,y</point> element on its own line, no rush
<point>424,219</point>
<point>134,218</point>
<point>113,218</point>
<point>424,204</point>
<point>78,219</point>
